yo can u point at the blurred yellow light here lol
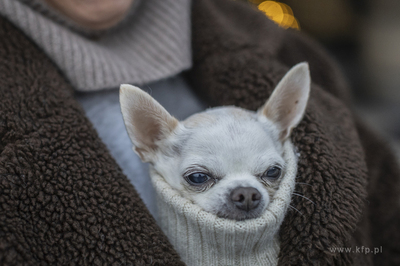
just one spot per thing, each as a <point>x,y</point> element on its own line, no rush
<point>281,13</point>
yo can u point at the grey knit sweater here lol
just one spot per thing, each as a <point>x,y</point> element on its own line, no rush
<point>151,46</point>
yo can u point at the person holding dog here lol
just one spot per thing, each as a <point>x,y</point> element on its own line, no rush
<point>67,187</point>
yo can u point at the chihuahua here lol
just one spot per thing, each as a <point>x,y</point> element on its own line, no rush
<point>227,160</point>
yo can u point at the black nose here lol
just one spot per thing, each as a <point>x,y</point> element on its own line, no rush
<point>245,198</point>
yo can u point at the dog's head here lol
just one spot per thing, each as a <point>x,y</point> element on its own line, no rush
<point>227,160</point>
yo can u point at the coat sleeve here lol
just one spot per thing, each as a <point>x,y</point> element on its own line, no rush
<point>63,199</point>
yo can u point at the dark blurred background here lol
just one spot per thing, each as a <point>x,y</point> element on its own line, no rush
<point>364,38</point>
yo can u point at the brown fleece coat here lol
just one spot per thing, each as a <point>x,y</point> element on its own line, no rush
<point>64,200</point>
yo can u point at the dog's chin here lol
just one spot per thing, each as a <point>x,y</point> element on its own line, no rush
<point>233,213</point>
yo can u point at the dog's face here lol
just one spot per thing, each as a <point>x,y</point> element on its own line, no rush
<point>227,160</point>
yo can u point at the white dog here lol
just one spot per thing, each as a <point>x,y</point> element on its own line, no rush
<point>226,160</point>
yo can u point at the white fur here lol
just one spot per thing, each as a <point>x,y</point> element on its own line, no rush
<point>236,146</point>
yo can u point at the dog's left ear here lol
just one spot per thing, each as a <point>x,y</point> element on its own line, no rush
<point>288,101</point>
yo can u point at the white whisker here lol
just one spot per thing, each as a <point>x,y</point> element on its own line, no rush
<point>303,184</point>
<point>304,197</point>
<point>293,208</point>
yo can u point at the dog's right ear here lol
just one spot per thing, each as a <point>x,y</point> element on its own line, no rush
<point>146,121</point>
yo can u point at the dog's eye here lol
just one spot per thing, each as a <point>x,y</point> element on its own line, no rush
<point>273,173</point>
<point>198,178</point>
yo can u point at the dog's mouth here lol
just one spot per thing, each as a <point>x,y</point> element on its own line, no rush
<point>229,211</point>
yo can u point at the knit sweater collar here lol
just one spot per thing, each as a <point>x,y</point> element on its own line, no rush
<point>153,44</point>
<point>202,238</point>
<point>41,7</point>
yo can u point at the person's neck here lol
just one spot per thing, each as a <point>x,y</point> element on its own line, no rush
<point>93,15</point>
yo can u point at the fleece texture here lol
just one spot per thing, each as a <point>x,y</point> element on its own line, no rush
<point>204,239</point>
<point>64,200</point>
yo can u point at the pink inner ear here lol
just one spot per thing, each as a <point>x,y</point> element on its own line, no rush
<point>285,110</point>
<point>152,125</point>
<point>148,129</point>
<point>287,104</point>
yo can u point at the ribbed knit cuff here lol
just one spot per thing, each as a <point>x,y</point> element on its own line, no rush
<point>202,238</point>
